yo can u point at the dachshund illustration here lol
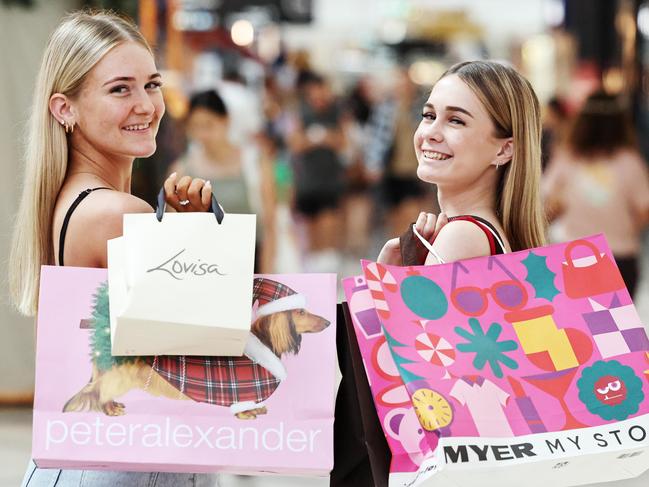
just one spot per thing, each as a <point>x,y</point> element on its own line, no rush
<point>241,383</point>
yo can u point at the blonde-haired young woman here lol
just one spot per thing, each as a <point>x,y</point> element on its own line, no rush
<point>479,142</point>
<point>97,106</point>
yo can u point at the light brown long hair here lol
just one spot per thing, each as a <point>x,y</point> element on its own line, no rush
<point>74,48</point>
<point>514,109</point>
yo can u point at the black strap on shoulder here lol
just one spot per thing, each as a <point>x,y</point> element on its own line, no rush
<point>66,220</point>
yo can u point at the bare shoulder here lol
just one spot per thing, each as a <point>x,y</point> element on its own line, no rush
<point>634,160</point>
<point>105,211</point>
<point>96,220</point>
<point>116,202</point>
<point>461,239</point>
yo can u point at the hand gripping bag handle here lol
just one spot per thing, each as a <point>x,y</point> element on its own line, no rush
<point>214,208</point>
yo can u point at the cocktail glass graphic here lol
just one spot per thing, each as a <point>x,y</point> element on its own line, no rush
<point>556,384</point>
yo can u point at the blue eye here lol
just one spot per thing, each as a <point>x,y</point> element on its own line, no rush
<point>457,121</point>
<point>428,115</point>
<point>154,84</point>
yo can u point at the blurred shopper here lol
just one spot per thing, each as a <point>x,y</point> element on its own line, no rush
<point>244,108</point>
<point>390,153</point>
<point>479,142</point>
<point>555,117</point>
<point>277,126</point>
<point>316,142</point>
<point>358,198</point>
<point>600,183</point>
<point>97,106</point>
<point>212,156</point>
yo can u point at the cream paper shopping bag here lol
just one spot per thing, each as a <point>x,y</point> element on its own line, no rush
<point>182,285</point>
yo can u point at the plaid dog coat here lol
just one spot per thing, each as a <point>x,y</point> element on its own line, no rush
<point>217,380</point>
<point>227,381</point>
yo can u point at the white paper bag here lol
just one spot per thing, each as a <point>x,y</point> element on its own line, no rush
<point>181,286</point>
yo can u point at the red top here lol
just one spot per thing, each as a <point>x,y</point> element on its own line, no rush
<point>495,247</point>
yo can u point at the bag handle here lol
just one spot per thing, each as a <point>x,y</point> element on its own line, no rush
<point>215,207</point>
<point>427,244</point>
<point>581,243</point>
<point>429,247</point>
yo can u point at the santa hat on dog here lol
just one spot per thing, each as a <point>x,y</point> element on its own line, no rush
<point>272,297</point>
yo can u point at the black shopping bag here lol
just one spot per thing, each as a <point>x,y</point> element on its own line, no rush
<point>361,452</point>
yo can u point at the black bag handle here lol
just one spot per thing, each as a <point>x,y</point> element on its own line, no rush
<point>214,207</point>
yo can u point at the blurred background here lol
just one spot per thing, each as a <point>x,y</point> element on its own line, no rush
<point>303,112</point>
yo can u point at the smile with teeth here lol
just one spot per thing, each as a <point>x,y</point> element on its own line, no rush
<point>133,128</point>
<point>438,156</point>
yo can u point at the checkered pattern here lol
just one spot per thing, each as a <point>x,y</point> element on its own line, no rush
<point>216,380</point>
<point>266,290</point>
<point>617,329</point>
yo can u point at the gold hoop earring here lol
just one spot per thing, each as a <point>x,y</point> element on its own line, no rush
<point>69,127</point>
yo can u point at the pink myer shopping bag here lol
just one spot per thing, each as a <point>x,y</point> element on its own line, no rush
<point>393,406</point>
<point>270,410</point>
<point>513,377</point>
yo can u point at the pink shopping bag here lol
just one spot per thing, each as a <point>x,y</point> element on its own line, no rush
<point>268,411</point>
<point>510,376</point>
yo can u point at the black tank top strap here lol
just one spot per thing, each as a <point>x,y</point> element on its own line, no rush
<point>495,240</point>
<point>66,220</point>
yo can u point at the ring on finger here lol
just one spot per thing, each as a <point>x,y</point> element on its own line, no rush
<point>183,202</point>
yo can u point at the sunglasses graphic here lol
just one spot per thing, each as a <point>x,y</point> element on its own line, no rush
<point>509,294</point>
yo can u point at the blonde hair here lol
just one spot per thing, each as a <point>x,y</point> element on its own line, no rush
<point>515,112</point>
<point>74,48</point>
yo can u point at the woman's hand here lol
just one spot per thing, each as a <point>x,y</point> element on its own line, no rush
<point>187,194</point>
<point>428,225</point>
<point>390,253</point>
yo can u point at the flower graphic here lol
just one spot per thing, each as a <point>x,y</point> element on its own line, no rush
<point>487,347</point>
<point>610,390</point>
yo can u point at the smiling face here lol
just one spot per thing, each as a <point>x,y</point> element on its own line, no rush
<point>119,107</point>
<point>455,142</point>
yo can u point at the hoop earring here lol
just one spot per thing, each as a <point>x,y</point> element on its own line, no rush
<point>69,127</point>
<point>497,165</point>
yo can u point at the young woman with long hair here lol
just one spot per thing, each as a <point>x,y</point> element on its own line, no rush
<point>479,142</point>
<point>97,106</point>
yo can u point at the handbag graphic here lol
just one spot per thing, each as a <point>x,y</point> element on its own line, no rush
<point>596,277</point>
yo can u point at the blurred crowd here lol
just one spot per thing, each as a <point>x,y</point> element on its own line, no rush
<point>329,165</point>
<point>329,171</point>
